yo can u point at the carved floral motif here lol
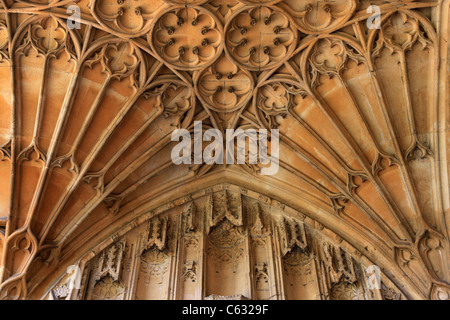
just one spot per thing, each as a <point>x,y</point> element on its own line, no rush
<point>260,38</point>
<point>187,38</point>
<point>344,291</point>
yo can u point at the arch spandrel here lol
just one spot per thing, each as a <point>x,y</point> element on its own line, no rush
<point>86,118</point>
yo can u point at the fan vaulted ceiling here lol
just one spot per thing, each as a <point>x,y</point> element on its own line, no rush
<point>86,116</point>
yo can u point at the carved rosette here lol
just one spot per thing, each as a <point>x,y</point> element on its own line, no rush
<point>260,38</point>
<point>187,38</point>
<point>61,292</point>
<point>275,100</point>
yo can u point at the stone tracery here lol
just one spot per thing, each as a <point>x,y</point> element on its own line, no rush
<point>85,128</point>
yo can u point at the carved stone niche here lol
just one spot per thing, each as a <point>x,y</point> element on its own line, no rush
<point>108,289</point>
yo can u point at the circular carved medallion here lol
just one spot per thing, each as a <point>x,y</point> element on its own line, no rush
<point>260,38</point>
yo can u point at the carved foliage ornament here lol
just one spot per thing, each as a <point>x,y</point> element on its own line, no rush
<point>108,289</point>
<point>344,291</point>
<point>314,17</point>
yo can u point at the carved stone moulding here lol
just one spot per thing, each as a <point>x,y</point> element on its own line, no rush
<point>188,38</point>
<point>259,38</point>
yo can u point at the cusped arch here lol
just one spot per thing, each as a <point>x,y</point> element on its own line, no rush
<point>202,213</point>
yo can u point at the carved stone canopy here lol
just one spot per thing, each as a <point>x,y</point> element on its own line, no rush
<point>92,90</point>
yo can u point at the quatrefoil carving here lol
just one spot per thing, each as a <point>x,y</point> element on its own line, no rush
<point>131,18</point>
